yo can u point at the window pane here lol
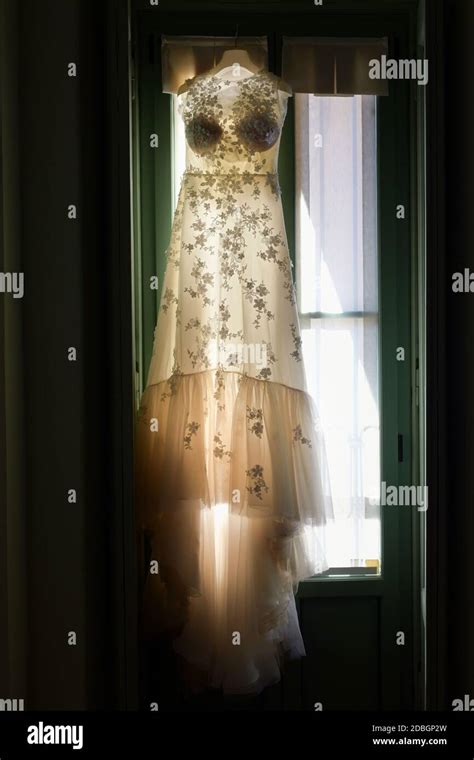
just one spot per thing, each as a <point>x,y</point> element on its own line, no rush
<point>336,258</point>
<point>336,203</point>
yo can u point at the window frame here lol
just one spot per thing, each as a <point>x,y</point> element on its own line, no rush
<point>398,21</point>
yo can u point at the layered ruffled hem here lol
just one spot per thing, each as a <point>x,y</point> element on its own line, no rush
<point>231,488</point>
<point>220,437</point>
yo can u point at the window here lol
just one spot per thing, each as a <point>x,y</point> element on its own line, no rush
<point>337,285</point>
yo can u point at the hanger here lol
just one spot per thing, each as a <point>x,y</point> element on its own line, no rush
<point>231,57</point>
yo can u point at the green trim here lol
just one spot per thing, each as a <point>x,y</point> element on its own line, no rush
<point>153,202</point>
<point>395,162</point>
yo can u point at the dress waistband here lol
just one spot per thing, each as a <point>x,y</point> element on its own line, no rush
<point>229,174</point>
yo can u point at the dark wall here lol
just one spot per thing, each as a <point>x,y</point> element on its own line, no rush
<point>61,159</point>
<point>460,343</point>
<point>13,601</point>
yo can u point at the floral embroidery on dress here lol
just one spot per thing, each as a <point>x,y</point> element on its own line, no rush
<point>219,387</point>
<point>258,486</point>
<point>298,436</point>
<point>191,429</point>
<point>255,421</point>
<point>204,280</point>
<point>169,298</point>
<point>172,383</point>
<point>205,334</point>
<point>273,183</point>
<point>254,116</point>
<point>251,127</point>
<point>266,372</point>
<point>220,450</point>
<point>297,342</point>
<point>247,130</point>
<point>232,261</point>
<point>231,197</point>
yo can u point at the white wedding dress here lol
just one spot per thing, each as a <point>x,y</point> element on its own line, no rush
<point>231,478</point>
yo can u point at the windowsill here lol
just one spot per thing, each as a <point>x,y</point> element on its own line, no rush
<point>335,583</point>
<point>347,574</point>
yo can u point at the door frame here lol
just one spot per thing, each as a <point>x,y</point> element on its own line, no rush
<point>121,408</point>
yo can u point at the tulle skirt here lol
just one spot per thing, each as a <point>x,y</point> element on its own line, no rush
<point>232,489</point>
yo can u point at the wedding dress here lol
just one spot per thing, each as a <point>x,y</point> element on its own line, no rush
<point>231,479</point>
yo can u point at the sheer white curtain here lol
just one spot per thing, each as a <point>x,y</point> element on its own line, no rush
<point>336,265</point>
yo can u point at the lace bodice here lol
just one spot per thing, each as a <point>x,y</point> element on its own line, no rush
<point>233,123</point>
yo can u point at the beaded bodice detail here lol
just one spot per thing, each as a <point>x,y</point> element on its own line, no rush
<point>233,125</point>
